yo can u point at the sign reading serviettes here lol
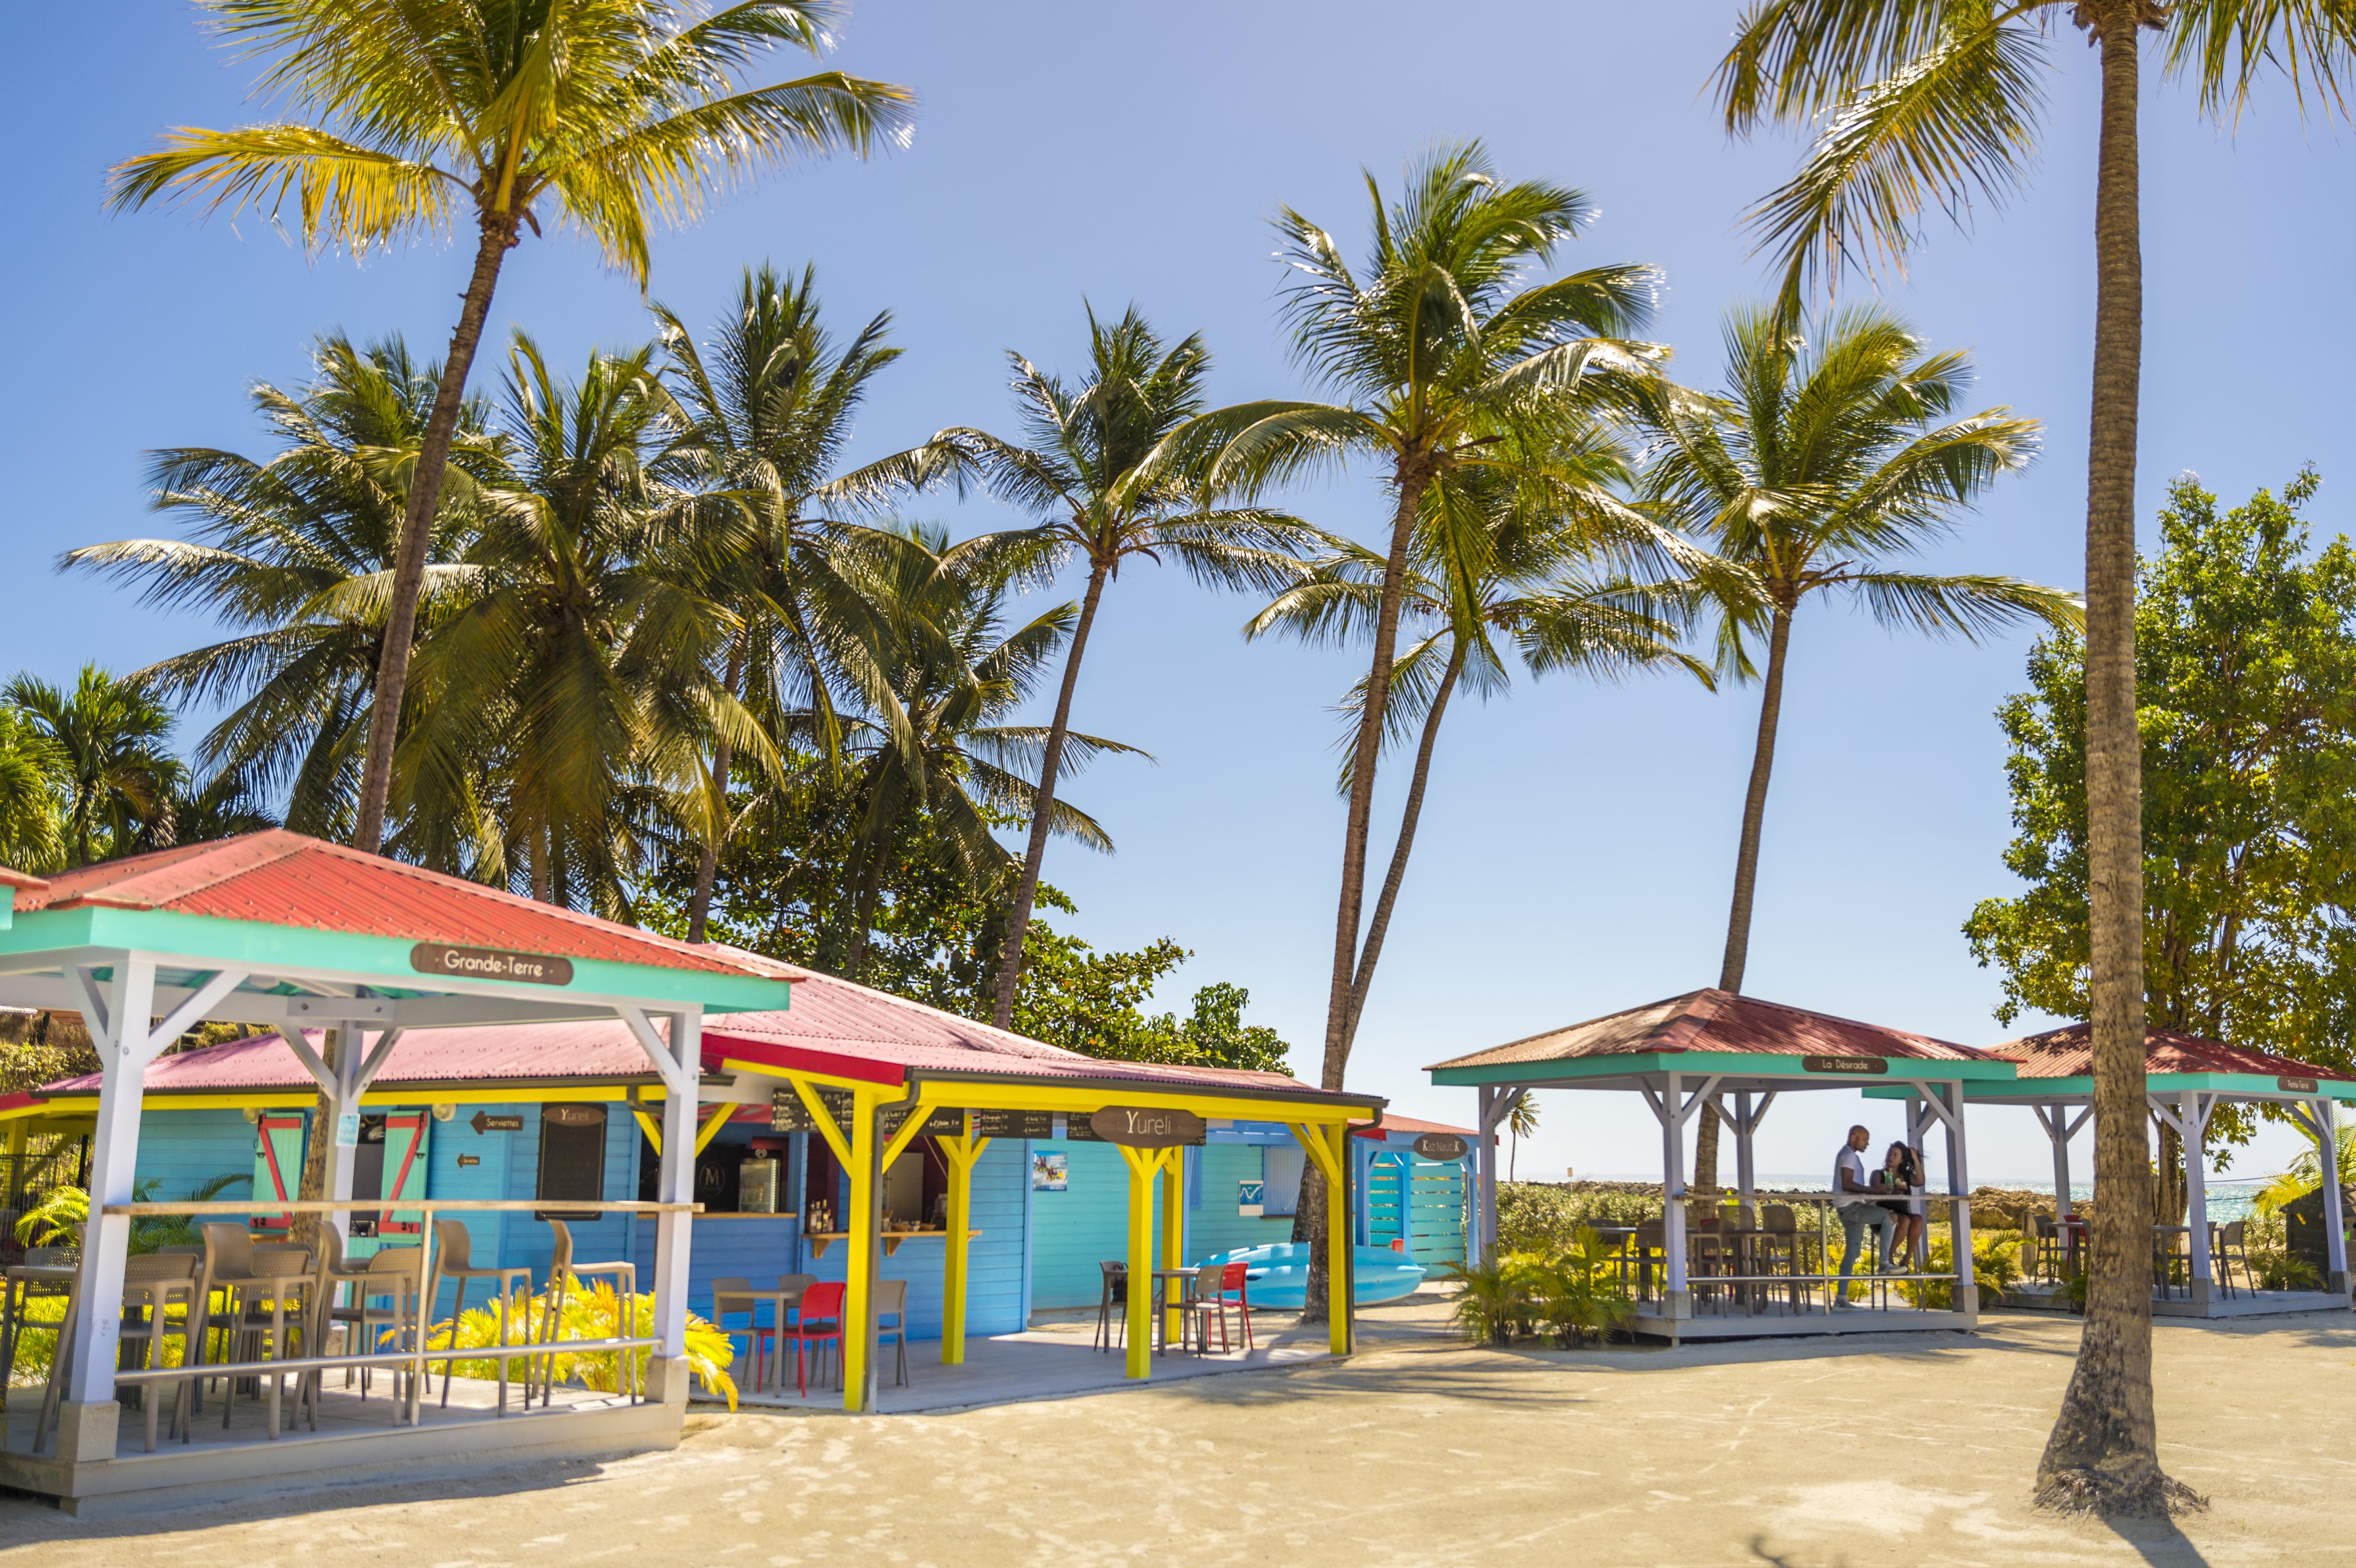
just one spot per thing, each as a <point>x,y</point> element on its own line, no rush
<point>1866,1065</point>
<point>1141,1126</point>
<point>489,964</point>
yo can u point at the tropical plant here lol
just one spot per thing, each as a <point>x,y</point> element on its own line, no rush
<point>591,1310</point>
<point>601,113</point>
<point>1497,1301</point>
<point>1541,1216</point>
<point>946,676</point>
<point>1092,465</point>
<point>2304,1173</point>
<point>568,694</point>
<point>766,407</point>
<point>31,770</point>
<point>296,550</point>
<point>1917,104</point>
<point>57,1220</point>
<point>1522,1122</point>
<point>1580,1293</point>
<point>115,770</point>
<point>1831,456</point>
<point>1996,1267</point>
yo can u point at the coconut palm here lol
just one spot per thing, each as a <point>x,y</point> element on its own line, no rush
<point>1492,559</point>
<point>1917,102</point>
<point>408,117</point>
<point>573,677</point>
<point>1826,461</point>
<point>1522,1122</point>
<point>766,407</point>
<point>115,771</point>
<point>935,737</point>
<point>297,552</point>
<point>31,769</point>
<point>1082,467</point>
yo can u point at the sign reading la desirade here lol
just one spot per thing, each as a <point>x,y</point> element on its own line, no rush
<point>489,964</point>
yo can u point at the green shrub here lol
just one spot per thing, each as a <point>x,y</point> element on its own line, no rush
<point>2275,1268</point>
<point>1573,1291</point>
<point>591,1313</point>
<point>1544,1217</point>
<point>1995,1264</point>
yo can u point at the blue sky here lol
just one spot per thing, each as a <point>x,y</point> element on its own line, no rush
<point>1577,845</point>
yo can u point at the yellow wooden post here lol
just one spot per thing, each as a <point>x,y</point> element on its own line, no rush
<point>961,1152</point>
<point>1341,1227</point>
<point>1142,1164</point>
<point>1173,1236</point>
<point>859,1265</point>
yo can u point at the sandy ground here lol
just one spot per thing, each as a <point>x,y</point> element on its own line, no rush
<point>1913,1449</point>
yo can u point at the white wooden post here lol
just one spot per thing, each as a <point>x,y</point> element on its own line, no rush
<point>1484,1177</point>
<point>2193,1113</point>
<point>348,1053</point>
<point>1959,1208</point>
<point>1675,1302</point>
<point>675,1183</point>
<point>1745,1161</point>
<point>2058,1129</point>
<point>2335,1236</point>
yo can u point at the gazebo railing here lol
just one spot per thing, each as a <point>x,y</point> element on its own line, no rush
<point>419,1357</point>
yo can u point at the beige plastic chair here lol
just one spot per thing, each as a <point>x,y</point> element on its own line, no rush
<point>453,1260</point>
<point>152,1284</point>
<point>892,1301</point>
<point>564,1273</point>
<point>730,1296</point>
<point>246,1277</point>
<point>392,1276</point>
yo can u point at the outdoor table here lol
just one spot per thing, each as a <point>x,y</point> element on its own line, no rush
<point>780,1303</point>
<point>2164,1254</point>
<point>1163,1306</point>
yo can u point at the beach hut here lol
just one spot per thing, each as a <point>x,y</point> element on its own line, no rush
<point>1689,1056</point>
<point>2185,1079</point>
<point>289,932</point>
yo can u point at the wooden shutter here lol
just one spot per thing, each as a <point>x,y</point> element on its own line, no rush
<point>571,1158</point>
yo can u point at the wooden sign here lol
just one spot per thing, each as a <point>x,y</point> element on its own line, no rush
<point>1867,1066</point>
<point>1137,1127</point>
<point>939,1123</point>
<point>2298,1085</point>
<point>1441,1146</point>
<point>1014,1123</point>
<point>466,1160</point>
<point>574,1116</point>
<point>484,1121</point>
<point>789,1115</point>
<point>489,964</point>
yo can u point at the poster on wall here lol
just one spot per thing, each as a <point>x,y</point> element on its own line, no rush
<point>1050,1172</point>
<point>1248,1199</point>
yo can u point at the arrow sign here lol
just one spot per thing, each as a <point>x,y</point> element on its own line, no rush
<point>486,1123</point>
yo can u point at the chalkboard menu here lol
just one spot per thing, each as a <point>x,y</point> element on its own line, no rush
<point>938,1124</point>
<point>1014,1123</point>
<point>789,1115</point>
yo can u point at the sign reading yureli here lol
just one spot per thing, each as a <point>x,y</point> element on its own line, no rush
<point>1141,1126</point>
<point>1441,1146</point>
<point>489,964</point>
<point>1864,1065</point>
<point>2297,1085</point>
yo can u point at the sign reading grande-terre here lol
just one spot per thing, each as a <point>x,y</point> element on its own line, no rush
<point>489,964</point>
<point>1140,1126</point>
<point>1441,1146</point>
<point>2297,1085</point>
<point>1866,1065</point>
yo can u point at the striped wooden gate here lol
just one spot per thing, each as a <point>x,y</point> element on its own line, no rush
<point>1420,1201</point>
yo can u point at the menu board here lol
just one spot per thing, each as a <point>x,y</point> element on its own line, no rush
<point>789,1115</point>
<point>1078,1130</point>
<point>939,1123</point>
<point>1014,1123</point>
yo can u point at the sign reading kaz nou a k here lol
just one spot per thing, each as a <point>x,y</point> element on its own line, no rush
<point>489,964</point>
<point>1143,1127</point>
<point>1441,1146</point>
<point>1867,1065</point>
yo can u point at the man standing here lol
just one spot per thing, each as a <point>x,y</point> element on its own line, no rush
<point>1848,1176</point>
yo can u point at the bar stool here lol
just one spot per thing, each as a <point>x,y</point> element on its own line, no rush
<point>563,1274</point>
<point>453,1259</point>
<point>151,1284</point>
<point>1116,1294</point>
<point>47,1273</point>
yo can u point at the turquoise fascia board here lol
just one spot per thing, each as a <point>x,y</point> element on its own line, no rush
<point>377,961</point>
<point>2227,1084</point>
<point>1715,1064</point>
<point>7,908</point>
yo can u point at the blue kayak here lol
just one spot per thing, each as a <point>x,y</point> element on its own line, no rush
<point>1280,1274</point>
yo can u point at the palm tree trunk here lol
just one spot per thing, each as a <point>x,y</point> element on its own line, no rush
<point>862,919</point>
<point>1380,925</point>
<point>1018,914</point>
<point>707,861</point>
<point>2103,1452</point>
<point>498,233</point>
<point>1746,869</point>
<point>1309,1223</point>
<point>318,1148</point>
<point>541,845</point>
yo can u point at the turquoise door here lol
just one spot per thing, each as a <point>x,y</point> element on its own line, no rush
<point>277,1165</point>
<point>1420,1202</point>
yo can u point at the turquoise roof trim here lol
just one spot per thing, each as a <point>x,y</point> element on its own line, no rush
<point>1720,1063</point>
<point>2232,1084</point>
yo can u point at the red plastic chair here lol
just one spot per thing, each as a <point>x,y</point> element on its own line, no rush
<point>1234,1287</point>
<point>820,1321</point>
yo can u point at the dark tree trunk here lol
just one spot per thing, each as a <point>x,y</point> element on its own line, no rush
<point>1018,914</point>
<point>707,861</point>
<point>2102,1455</point>
<point>1746,866</point>
<point>317,1144</point>
<point>498,233</point>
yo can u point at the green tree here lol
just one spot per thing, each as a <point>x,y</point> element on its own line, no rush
<point>1522,1121</point>
<point>1092,466</point>
<point>296,550</point>
<point>116,772</point>
<point>1828,459</point>
<point>768,405</point>
<point>1937,102</point>
<point>2245,661</point>
<point>405,118</point>
<point>31,774</point>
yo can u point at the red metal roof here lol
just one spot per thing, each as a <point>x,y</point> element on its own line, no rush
<point>1394,1123</point>
<point>1716,1020</point>
<point>279,878</point>
<point>18,880</point>
<point>835,1028</point>
<point>2068,1053</point>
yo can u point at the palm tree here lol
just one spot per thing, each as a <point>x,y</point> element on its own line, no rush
<point>1939,102</point>
<point>109,737</point>
<point>767,410</point>
<point>601,114</point>
<point>297,550</point>
<point>31,769</point>
<point>1491,558</point>
<point>575,674</point>
<point>1824,463</point>
<point>1082,467</point>
<point>1522,1121</point>
<point>935,738</point>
